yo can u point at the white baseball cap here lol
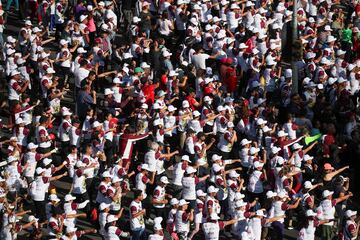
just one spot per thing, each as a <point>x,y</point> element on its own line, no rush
<point>47,161</point>
<point>145,166</point>
<point>108,91</point>
<point>350,213</point>
<point>308,157</point>
<point>282,194</point>
<point>196,113</point>
<point>171,108</point>
<point>69,197</point>
<point>183,202</point>
<point>270,194</point>
<point>254,150</point>
<point>230,125</point>
<point>174,201</point>
<point>200,193</point>
<point>19,121</point>
<point>63,42</point>
<point>261,121</point>
<point>327,28</point>
<point>106,174</point>
<point>144,65</point>
<point>288,73</point>
<point>308,185</point>
<point>32,145</point>
<point>282,133</point>
<point>190,170</point>
<point>327,193</point>
<point>81,50</point>
<point>212,189</point>
<point>233,174</point>
<point>239,204</point>
<point>111,218</point>
<point>185,104</point>
<point>245,141</point>
<point>260,213</point>
<point>275,149</point>
<point>216,157</point>
<point>220,108</point>
<point>164,179</point>
<point>258,164</point>
<point>216,168</point>
<point>15,72</point>
<point>239,196</point>
<point>185,158</point>
<point>297,146</point>
<point>310,213</point>
<point>144,106</point>
<point>96,124</point>
<point>39,170</point>
<point>167,53</point>
<point>103,206</point>
<point>136,19</point>
<point>53,197</point>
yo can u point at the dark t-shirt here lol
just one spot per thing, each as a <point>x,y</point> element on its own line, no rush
<point>145,22</point>
<point>84,102</point>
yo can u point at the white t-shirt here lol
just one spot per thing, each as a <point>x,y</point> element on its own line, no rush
<point>199,60</point>
<point>165,26</point>
<point>138,222</point>
<point>80,75</point>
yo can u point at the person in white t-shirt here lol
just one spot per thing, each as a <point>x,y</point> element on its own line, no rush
<point>165,26</point>
<point>137,214</point>
<point>199,58</point>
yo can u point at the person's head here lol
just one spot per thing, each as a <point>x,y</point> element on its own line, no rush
<point>90,112</point>
<point>92,76</point>
<point>73,149</point>
<point>106,176</point>
<point>327,195</point>
<point>352,215</point>
<point>164,181</point>
<point>88,149</point>
<point>44,120</point>
<point>201,136</point>
<point>328,168</point>
<point>355,136</point>
<point>138,195</point>
<point>15,75</point>
<point>154,146</point>
<point>331,128</point>
<point>212,191</point>
<point>165,15</point>
<point>185,160</point>
<point>296,99</point>
<point>183,204</point>
<point>201,195</point>
<point>57,212</point>
<point>47,163</point>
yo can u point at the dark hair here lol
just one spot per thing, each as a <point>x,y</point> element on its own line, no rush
<point>200,134</point>
<point>137,193</point>
<point>83,62</point>
<point>87,146</point>
<point>43,119</point>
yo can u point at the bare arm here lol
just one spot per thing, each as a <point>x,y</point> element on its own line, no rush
<point>333,174</point>
<point>343,198</point>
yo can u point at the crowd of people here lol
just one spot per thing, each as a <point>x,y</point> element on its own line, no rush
<point>180,119</point>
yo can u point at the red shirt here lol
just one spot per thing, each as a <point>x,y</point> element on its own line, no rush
<point>149,93</point>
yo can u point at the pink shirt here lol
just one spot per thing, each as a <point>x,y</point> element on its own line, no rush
<point>91,25</point>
